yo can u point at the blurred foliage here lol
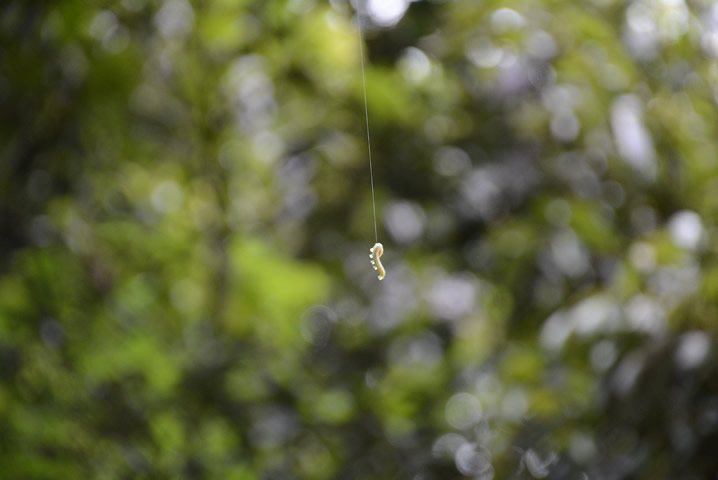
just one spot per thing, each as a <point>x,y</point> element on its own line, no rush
<point>185,218</point>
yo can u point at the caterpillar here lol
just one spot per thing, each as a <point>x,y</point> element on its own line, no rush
<point>375,254</point>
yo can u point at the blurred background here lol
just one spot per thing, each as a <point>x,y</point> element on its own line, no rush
<point>185,218</point>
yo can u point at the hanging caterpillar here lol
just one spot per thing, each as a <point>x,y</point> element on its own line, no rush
<point>377,250</point>
<point>375,254</point>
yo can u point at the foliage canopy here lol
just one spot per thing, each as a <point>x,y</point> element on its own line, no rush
<point>185,215</point>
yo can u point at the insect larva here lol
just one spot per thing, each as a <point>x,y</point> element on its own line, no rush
<point>375,254</point>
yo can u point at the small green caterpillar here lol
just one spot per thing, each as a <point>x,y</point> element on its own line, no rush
<point>375,254</point>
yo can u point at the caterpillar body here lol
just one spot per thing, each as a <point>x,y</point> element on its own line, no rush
<point>375,254</point>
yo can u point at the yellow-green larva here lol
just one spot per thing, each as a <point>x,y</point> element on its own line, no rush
<point>375,254</point>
